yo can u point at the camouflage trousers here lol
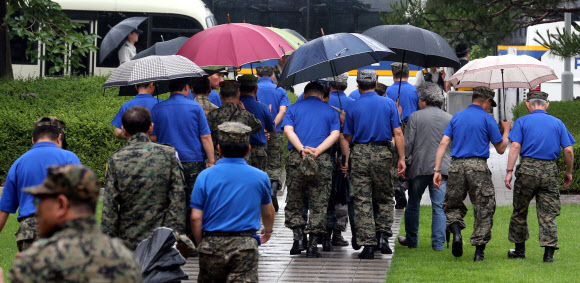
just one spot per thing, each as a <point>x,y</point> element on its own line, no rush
<point>228,259</point>
<point>318,190</point>
<point>190,172</point>
<point>536,178</point>
<point>274,153</point>
<point>470,175</point>
<point>27,233</point>
<point>258,157</point>
<point>371,187</point>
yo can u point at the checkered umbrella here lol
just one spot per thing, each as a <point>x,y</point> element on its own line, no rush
<point>153,68</point>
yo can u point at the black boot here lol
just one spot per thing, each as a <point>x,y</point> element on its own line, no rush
<point>549,254</point>
<point>368,252</point>
<point>299,244</point>
<point>338,240</point>
<point>326,245</point>
<point>457,245</point>
<point>479,252</point>
<point>447,236</point>
<point>384,243</point>
<point>274,195</point>
<point>519,252</point>
<point>312,250</point>
<point>400,198</point>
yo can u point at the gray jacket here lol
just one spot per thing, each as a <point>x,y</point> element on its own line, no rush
<point>423,134</point>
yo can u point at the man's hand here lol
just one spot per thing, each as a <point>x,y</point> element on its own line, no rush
<point>437,179</point>
<point>567,179</point>
<point>241,105</point>
<point>342,116</point>
<point>401,167</point>
<point>264,237</point>
<point>209,164</point>
<point>506,125</point>
<point>308,150</point>
<point>344,168</point>
<point>508,180</point>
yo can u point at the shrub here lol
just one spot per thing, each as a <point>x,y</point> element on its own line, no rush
<point>569,113</point>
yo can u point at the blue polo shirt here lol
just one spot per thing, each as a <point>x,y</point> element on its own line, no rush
<point>312,119</point>
<point>143,99</point>
<point>30,170</point>
<point>409,99</point>
<point>270,94</point>
<point>371,118</point>
<point>541,135</point>
<point>355,94</point>
<point>471,131</point>
<point>181,122</point>
<point>230,194</point>
<point>262,113</point>
<point>214,98</point>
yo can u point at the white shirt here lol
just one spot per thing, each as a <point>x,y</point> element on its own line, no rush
<point>420,77</point>
<point>126,52</point>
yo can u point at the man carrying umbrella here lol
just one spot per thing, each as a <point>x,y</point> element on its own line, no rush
<point>128,50</point>
<point>471,130</point>
<point>403,91</point>
<point>368,127</point>
<point>538,137</point>
<point>143,98</point>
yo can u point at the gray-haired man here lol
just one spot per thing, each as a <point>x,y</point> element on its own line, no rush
<point>422,137</point>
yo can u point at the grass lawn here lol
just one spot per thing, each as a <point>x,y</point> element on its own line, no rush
<point>425,265</point>
<point>8,241</point>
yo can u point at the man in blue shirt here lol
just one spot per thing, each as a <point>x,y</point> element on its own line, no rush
<point>227,203</point>
<point>408,97</point>
<point>181,123</point>
<point>277,101</point>
<point>355,94</point>
<point>538,137</point>
<point>337,98</point>
<point>471,130</point>
<point>215,78</point>
<point>311,127</point>
<point>30,170</point>
<point>143,98</point>
<point>368,127</point>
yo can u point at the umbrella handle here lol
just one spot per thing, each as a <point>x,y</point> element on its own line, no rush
<point>402,63</point>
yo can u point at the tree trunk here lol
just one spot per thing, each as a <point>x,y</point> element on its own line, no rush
<point>5,56</point>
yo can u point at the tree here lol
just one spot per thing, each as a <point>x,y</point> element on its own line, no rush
<point>560,43</point>
<point>478,22</point>
<point>42,22</point>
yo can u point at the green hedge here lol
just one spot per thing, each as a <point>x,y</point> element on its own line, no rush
<point>569,113</point>
<point>78,101</point>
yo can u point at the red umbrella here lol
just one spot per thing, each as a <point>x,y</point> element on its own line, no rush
<point>234,45</point>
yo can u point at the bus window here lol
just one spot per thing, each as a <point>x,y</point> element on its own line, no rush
<point>175,22</point>
<point>18,47</point>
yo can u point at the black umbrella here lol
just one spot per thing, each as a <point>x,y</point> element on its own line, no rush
<point>296,34</point>
<point>117,35</point>
<point>169,47</point>
<point>415,46</point>
<point>160,260</point>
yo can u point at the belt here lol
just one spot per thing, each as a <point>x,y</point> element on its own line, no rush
<point>475,157</point>
<point>258,144</point>
<point>248,233</point>
<point>379,143</point>
<point>24,218</point>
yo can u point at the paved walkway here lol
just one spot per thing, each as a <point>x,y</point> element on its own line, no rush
<point>341,265</point>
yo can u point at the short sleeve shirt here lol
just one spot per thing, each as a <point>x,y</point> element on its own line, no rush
<point>471,131</point>
<point>182,131</point>
<point>541,135</point>
<point>230,194</point>
<point>355,94</point>
<point>143,99</point>
<point>371,118</point>
<point>313,121</point>
<point>273,96</point>
<point>338,99</point>
<point>262,113</point>
<point>408,99</point>
<point>214,98</point>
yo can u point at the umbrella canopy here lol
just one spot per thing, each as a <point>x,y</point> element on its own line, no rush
<point>415,45</point>
<point>153,68</point>
<point>169,47</point>
<point>296,34</point>
<point>331,55</point>
<point>117,35</point>
<point>160,260</point>
<point>234,45</point>
<point>294,41</point>
<point>520,71</point>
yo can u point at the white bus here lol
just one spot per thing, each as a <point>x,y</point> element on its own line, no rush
<point>167,19</point>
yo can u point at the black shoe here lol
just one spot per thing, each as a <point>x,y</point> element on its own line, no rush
<point>384,244</point>
<point>519,252</point>
<point>274,195</point>
<point>338,240</point>
<point>354,244</point>
<point>447,236</point>
<point>479,253</point>
<point>403,241</point>
<point>549,254</point>
<point>367,253</point>
<point>400,198</point>
<point>326,244</point>
<point>457,245</point>
<point>299,244</point>
<point>312,250</point>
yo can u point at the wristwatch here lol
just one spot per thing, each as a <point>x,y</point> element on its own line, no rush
<point>436,171</point>
<point>302,150</point>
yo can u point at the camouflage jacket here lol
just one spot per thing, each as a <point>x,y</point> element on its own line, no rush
<point>207,106</point>
<point>77,252</point>
<point>144,190</point>
<point>226,113</point>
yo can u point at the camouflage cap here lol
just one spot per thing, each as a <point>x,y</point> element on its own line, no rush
<point>398,67</point>
<point>264,69</point>
<point>484,92</point>
<point>309,166</point>
<point>234,132</point>
<point>536,94</point>
<point>50,121</point>
<point>248,80</point>
<point>342,78</point>
<point>366,75</point>
<point>74,181</point>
